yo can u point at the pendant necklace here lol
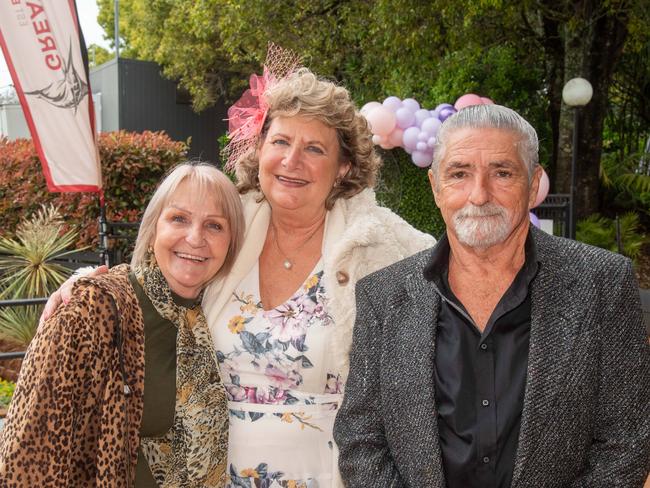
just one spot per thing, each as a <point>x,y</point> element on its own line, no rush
<point>287,262</point>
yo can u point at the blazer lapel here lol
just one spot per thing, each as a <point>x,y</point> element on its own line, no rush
<point>420,314</point>
<point>551,344</point>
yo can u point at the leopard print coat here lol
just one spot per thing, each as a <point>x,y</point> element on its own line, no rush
<point>75,416</point>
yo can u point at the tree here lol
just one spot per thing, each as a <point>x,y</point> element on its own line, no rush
<point>97,55</point>
<point>519,53</point>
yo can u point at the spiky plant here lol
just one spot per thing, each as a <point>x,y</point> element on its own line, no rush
<point>27,270</point>
<point>601,232</point>
<point>26,263</point>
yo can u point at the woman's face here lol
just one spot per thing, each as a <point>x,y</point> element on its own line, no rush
<point>191,241</point>
<point>299,161</point>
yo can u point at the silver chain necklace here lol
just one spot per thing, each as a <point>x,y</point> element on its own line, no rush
<point>287,262</point>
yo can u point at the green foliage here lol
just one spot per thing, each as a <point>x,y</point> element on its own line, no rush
<point>26,267</point>
<point>601,232</point>
<point>27,270</point>
<point>97,55</point>
<point>132,165</point>
<point>6,392</point>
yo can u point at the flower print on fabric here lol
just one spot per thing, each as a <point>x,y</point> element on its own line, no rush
<point>279,351</point>
<point>261,477</point>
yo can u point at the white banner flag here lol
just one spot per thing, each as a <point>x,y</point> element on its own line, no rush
<point>41,42</point>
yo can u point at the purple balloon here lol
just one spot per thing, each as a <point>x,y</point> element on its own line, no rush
<point>411,104</point>
<point>392,103</point>
<point>439,107</point>
<point>422,159</point>
<point>434,113</point>
<point>534,220</point>
<point>410,138</point>
<point>422,146</point>
<point>423,136</point>
<point>431,126</point>
<point>445,113</point>
<point>405,118</point>
<point>431,142</point>
<point>421,115</point>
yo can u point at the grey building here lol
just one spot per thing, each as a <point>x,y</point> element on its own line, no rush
<point>133,95</point>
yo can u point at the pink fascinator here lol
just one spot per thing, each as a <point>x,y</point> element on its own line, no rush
<point>246,117</point>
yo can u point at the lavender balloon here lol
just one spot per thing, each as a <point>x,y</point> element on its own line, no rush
<point>392,103</point>
<point>420,116</point>
<point>445,113</point>
<point>422,146</point>
<point>405,117</point>
<point>431,126</point>
<point>410,138</point>
<point>422,159</point>
<point>411,104</point>
<point>431,142</point>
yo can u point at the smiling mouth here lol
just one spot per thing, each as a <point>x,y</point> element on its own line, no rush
<point>191,257</point>
<point>292,181</point>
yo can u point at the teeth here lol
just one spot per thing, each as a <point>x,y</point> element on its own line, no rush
<point>197,259</point>
<point>291,180</point>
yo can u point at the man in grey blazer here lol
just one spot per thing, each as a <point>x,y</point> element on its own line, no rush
<point>502,357</point>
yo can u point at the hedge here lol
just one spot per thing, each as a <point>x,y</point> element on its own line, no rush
<point>132,165</point>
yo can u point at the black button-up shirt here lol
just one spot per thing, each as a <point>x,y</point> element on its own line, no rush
<point>480,378</point>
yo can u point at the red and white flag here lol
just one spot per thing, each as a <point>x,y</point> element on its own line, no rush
<point>42,44</point>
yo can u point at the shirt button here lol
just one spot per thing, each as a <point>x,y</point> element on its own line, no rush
<point>484,346</point>
<point>486,460</point>
<point>485,403</point>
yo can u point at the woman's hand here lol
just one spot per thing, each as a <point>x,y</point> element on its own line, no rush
<point>62,295</point>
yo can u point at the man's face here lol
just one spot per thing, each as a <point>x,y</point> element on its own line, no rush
<point>482,186</point>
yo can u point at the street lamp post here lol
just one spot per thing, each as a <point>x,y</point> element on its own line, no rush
<point>576,94</point>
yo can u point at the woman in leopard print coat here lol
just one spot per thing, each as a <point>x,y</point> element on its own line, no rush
<point>80,408</point>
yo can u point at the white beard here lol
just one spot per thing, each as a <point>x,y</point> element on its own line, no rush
<point>482,226</point>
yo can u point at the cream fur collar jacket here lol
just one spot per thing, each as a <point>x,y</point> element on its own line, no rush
<point>360,237</point>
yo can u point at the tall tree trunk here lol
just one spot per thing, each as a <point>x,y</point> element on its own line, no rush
<point>593,42</point>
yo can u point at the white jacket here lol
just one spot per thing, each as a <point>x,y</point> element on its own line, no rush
<point>360,237</point>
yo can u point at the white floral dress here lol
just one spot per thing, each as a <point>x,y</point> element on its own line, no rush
<point>283,395</point>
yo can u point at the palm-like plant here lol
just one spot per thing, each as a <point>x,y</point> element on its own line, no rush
<point>27,269</point>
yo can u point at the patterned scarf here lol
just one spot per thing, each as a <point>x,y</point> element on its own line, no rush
<point>193,453</point>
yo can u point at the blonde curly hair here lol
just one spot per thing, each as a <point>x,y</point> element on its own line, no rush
<point>303,94</point>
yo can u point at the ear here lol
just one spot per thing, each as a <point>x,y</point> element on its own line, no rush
<point>534,186</point>
<point>344,168</point>
<point>432,182</point>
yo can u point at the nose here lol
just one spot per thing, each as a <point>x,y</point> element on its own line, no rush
<point>480,191</point>
<point>292,158</point>
<point>195,237</point>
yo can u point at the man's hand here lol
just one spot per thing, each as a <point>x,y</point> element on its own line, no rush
<point>62,295</point>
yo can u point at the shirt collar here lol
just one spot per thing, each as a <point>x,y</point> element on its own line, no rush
<point>438,266</point>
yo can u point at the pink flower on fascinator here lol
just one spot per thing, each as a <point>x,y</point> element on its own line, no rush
<point>246,117</point>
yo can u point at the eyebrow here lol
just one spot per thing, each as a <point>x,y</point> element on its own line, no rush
<point>171,205</point>
<point>313,141</point>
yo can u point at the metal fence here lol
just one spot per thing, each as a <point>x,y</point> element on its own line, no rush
<point>119,239</point>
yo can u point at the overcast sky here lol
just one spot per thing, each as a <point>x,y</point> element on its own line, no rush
<point>93,34</point>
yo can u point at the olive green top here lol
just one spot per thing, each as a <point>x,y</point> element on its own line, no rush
<point>159,376</point>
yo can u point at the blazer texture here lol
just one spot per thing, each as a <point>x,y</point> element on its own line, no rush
<point>585,420</point>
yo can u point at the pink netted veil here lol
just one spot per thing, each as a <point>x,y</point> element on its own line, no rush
<point>246,117</point>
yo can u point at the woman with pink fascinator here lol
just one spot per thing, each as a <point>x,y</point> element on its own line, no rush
<point>282,319</point>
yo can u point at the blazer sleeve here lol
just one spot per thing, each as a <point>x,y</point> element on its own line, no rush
<point>49,425</point>
<point>364,455</point>
<point>620,452</point>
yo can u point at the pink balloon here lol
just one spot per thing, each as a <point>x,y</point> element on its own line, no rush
<point>381,120</point>
<point>534,219</point>
<point>395,137</point>
<point>487,101</point>
<point>368,107</point>
<point>386,145</point>
<point>544,185</point>
<point>467,100</point>
<point>392,103</point>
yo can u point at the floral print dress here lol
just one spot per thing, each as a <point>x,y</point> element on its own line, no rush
<point>283,395</point>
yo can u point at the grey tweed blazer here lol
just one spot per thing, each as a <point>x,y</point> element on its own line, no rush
<point>586,414</point>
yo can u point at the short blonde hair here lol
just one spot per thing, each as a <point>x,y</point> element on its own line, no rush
<point>304,94</point>
<point>209,182</point>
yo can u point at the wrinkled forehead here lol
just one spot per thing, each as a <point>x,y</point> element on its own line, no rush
<point>481,145</point>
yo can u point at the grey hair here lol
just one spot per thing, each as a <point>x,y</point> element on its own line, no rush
<point>211,184</point>
<point>490,117</point>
